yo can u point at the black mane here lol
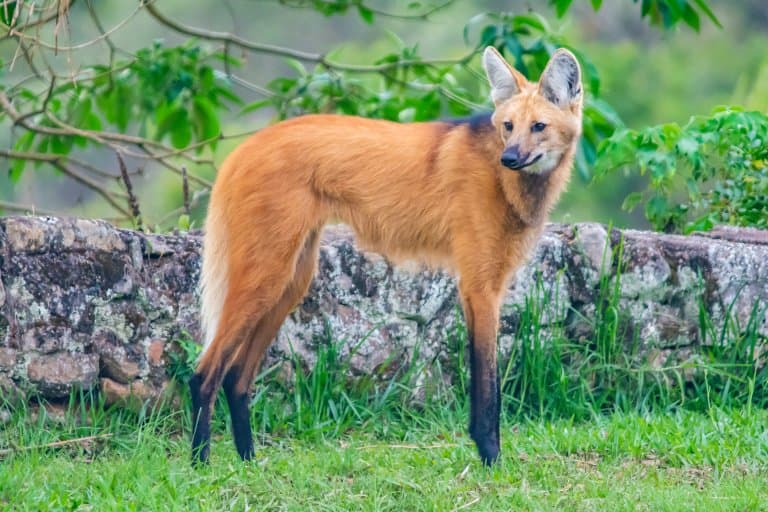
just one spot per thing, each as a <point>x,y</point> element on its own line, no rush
<point>476,122</point>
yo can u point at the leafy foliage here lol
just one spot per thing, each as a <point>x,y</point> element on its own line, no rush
<point>164,93</point>
<point>415,90</point>
<point>168,104</point>
<point>666,13</point>
<point>366,12</point>
<point>713,170</point>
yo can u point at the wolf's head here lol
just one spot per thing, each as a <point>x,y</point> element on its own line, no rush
<point>537,122</point>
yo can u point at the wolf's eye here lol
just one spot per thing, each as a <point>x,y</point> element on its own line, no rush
<point>508,126</point>
<point>538,127</point>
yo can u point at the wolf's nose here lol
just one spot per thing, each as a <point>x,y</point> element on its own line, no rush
<point>509,161</point>
<point>511,157</point>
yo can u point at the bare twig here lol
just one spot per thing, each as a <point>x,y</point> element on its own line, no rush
<point>20,43</point>
<point>205,143</point>
<point>56,48</point>
<point>82,76</point>
<point>62,164</point>
<point>49,157</point>
<point>185,188</point>
<point>93,185</point>
<point>56,444</point>
<point>468,504</point>
<point>18,207</point>
<point>97,22</point>
<point>61,18</point>
<point>42,109</point>
<point>162,160</point>
<point>133,202</point>
<point>196,197</point>
<point>33,24</point>
<point>16,12</point>
<point>250,86</point>
<point>464,472</point>
<point>407,446</point>
<point>438,88</point>
<point>421,16</point>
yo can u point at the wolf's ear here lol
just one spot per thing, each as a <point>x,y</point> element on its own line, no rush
<point>560,82</point>
<point>505,80</point>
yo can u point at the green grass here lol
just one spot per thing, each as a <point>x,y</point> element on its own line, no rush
<point>681,461</point>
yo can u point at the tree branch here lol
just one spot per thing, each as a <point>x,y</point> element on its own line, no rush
<point>55,47</point>
<point>32,24</point>
<point>105,138</point>
<point>280,51</point>
<point>93,185</point>
<point>18,207</point>
<point>49,157</point>
<point>42,109</point>
<point>132,199</point>
<point>422,16</point>
<point>61,163</point>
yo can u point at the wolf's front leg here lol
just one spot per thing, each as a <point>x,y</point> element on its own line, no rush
<point>481,315</point>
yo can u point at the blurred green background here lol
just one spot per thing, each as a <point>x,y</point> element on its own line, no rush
<point>649,75</point>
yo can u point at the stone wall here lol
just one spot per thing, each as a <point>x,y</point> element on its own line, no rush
<point>86,305</point>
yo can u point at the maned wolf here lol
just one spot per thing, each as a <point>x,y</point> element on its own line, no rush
<point>470,195</point>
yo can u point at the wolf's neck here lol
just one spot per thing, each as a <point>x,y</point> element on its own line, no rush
<point>532,196</point>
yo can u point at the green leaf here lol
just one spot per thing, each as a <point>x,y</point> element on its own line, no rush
<point>711,15</point>
<point>561,7</point>
<point>406,115</point>
<point>687,146</point>
<point>631,201</point>
<point>120,105</point>
<point>8,11</point>
<point>645,8</point>
<point>45,142</point>
<point>25,141</point>
<point>228,94</point>
<point>515,48</point>
<point>297,65</point>
<point>16,170</point>
<point>488,35</point>
<point>181,135</point>
<point>691,17</point>
<point>92,122</point>
<point>365,13</point>
<point>168,119</point>
<point>183,222</point>
<point>61,145</point>
<point>256,105</point>
<point>596,4</point>
<point>533,20</point>
<point>656,208</point>
<point>205,119</point>
<point>702,224</point>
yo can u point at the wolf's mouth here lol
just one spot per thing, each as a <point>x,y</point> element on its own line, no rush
<point>528,163</point>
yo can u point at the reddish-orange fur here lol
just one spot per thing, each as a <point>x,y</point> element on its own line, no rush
<point>434,192</point>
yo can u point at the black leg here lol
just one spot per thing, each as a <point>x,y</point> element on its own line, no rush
<point>202,406</point>
<point>239,412</point>
<point>484,402</point>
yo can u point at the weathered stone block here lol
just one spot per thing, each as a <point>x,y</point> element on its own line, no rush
<point>55,376</point>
